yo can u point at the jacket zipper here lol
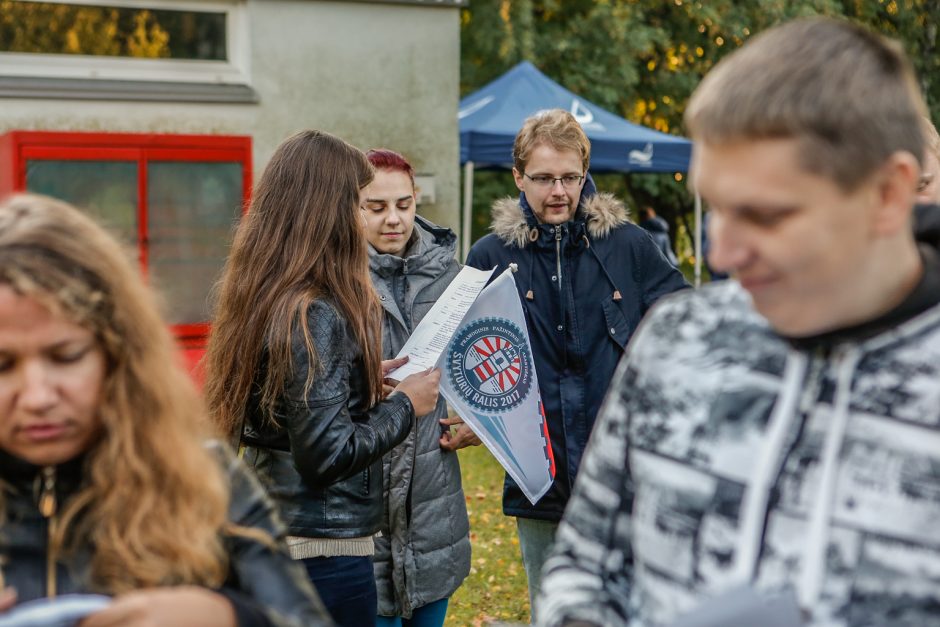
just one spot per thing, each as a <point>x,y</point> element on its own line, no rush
<point>564,347</point>
<point>48,507</point>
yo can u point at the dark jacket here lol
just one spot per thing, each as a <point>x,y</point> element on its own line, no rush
<point>265,585</point>
<point>584,286</point>
<point>659,231</point>
<point>423,553</point>
<point>322,463</point>
<point>927,224</point>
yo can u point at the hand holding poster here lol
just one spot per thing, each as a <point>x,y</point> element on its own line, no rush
<point>429,340</point>
<point>488,377</point>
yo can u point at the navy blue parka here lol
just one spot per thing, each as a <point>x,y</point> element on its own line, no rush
<point>584,286</point>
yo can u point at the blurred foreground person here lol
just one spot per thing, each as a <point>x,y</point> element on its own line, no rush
<point>294,370</point>
<point>107,483</point>
<point>423,553</point>
<point>777,436</point>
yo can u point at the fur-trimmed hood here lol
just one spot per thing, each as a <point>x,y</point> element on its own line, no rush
<point>601,213</point>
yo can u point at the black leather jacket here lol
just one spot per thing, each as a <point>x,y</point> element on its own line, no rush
<point>265,586</point>
<point>322,462</point>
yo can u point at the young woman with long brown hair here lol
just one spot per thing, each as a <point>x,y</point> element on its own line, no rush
<point>107,484</point>
<point>293,366</point>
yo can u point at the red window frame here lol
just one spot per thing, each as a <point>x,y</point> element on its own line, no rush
<point>18,147</point>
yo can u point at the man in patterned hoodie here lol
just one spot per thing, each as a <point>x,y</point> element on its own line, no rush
<point>779,432</point>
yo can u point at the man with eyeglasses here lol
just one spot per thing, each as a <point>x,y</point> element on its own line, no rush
<point>586,275</point>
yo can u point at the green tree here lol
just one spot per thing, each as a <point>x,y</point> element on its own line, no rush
<point>60,28</point>
<point>643,58</point>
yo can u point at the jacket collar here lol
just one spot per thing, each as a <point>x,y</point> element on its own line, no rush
<point>430,245</point>
<point>597,215</point>
<point>927,225</point>
<point>21,476</point>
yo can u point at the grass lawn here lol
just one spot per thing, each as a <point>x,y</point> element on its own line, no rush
<point>496,588</point>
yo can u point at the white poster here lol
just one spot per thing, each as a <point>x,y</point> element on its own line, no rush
<point>488,377</point>
<point>428,341</point>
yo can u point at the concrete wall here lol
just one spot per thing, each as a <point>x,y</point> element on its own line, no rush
<point>376,74</point>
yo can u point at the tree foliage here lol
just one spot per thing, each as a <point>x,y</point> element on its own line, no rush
<point>643,58</point>
<point>123,31</point>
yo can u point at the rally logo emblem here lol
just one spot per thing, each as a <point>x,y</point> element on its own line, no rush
<point>490,366</point>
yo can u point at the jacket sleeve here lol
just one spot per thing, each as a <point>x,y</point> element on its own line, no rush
<point>657,276</point>
<point>327,443</point>
<point>265,586</point>
<point>588,576</point>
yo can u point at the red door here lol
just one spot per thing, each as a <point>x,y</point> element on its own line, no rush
<point>174,198</point>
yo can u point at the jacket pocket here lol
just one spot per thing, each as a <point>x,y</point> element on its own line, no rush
<point>618,327</point>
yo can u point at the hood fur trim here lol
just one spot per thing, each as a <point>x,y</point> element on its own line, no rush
<point>603,212</point>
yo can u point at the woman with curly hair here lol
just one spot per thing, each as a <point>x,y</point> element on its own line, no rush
<point>294,366</point>
<point>108,483</point>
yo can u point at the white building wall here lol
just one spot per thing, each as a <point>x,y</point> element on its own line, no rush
<point>376,74</point>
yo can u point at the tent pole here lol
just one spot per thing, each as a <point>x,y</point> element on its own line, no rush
<point>467,217</point>
<point>698,240</point>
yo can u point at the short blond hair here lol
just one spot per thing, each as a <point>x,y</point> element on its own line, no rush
<point>849,95</point>
<point>556,128</point>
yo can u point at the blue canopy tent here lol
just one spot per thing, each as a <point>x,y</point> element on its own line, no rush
<point>491,117</point>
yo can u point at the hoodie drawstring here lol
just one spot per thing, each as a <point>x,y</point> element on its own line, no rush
<point>770,457</point>
<point>530,295</point>
<point>809,587</point>
<point>616,295</point>
<point>534,235</point>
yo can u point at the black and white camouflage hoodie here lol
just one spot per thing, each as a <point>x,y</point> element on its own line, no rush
<point>726,455</point>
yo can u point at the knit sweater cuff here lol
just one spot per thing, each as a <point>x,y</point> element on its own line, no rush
<point>305,548</point>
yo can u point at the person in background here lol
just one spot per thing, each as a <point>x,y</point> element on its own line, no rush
<point>776,436</point>
<point>109,482</point>
<point>659,231</point>
<point>294,365</point>
<point>586,275</point>
<point>928,186</point>
<point>927,211</point>
<point>713,273</point>
<point>422,554</point>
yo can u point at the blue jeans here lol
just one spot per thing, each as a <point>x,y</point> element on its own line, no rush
<point>346,586</point>
<point>536,538</point>
<point>430,615</point>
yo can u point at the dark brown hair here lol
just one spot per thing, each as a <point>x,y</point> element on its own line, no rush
<point>301,240</point>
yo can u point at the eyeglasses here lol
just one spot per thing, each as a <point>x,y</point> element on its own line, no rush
<point>924,182</point>
<point>543,180</point>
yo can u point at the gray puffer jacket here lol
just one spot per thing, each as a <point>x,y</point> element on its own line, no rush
<point>423,553</point>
